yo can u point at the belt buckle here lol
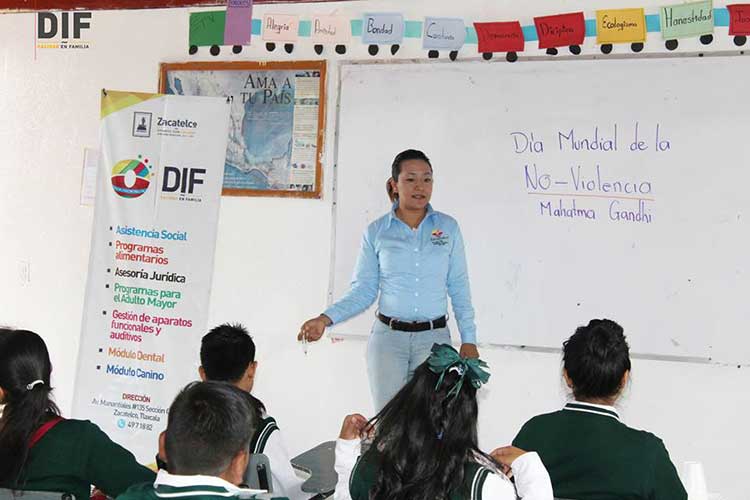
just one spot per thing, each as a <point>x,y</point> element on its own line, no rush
<point>432,325</point>
<point>390,323</point>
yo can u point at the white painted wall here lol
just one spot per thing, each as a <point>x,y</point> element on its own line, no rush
<point>273,255</point>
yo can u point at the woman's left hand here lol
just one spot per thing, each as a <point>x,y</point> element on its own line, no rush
<point>469,351</point>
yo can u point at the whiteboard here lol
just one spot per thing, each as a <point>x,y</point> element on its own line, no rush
<point>587,220</point>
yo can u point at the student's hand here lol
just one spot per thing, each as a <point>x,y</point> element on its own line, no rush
<point>313,329</point>
<point>353,426</point>
<point>469,351</point>
<point>506,455</point>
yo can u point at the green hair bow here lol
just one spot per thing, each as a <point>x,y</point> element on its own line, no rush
<point>444,358</point>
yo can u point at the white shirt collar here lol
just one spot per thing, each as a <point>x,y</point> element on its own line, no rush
<point>606,410</point>
<point>164,478</point>
<point>392,214</point>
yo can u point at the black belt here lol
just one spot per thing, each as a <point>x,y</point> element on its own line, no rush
<point>413,326</point>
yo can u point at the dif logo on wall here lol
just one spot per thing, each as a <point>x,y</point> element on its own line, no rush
<point>62,30</point>
<point>131,178</point>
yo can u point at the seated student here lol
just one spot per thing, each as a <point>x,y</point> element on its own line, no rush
<point>228,354</point>
<point>39,450</point>
<point>206,444</point>
<point>588,451</point>
<point>425,443</point>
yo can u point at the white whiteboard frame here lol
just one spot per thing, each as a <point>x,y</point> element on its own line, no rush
<point>521,59</point>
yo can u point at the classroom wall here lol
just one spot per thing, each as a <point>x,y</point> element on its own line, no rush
<point>273,255</point>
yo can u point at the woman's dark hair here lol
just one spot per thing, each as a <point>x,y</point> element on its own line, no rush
<point>426,438</point>
<point>23,360</point>
<point>596,357</point>
<point>409,154</point>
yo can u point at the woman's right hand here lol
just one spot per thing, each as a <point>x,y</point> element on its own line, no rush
<point>312,329</point>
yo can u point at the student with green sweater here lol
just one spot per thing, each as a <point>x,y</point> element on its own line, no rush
<point>228,355</point>
<point>589,452</point>
<point>206,446</point>
<point>425,443</point>
<point>41,451</point>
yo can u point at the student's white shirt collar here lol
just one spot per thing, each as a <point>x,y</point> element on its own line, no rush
<point>605,410</point>
<point>164,478</point>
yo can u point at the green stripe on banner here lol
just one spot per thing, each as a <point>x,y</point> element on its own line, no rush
<point>471,35</point>
<point>412,29</point>
<point>356,27</point>
<point>131,166</point>
<point>305,28</point>
<point>257,26</point>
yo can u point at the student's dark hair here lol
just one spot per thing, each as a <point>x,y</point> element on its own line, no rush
<point>24,359</point>
<point>596,357</point>
<point>208,424</point>
<point>426,438</point>
<point>409,154</point>
<point>226,352</point>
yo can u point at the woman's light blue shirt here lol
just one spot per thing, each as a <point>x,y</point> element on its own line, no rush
<point>414,270</point>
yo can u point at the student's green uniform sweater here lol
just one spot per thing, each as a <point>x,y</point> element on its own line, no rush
<point>365,473</point>
<point>591,455</point>
<point>73,455</point>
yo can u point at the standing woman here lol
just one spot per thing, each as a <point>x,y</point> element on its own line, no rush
<point>414,256</point>
<point>41,451</point>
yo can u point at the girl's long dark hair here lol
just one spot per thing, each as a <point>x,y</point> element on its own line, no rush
<point>426,439</point>
<point>23,359</point>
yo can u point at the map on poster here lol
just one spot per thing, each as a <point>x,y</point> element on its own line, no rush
<point>274,130</point>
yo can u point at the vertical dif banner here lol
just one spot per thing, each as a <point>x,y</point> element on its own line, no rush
<point>152,255</point>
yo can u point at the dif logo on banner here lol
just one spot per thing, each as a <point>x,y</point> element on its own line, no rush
<point>54,30</point>
<point>131,178</point>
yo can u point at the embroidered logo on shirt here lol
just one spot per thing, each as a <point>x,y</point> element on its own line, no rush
<point>438,237</point>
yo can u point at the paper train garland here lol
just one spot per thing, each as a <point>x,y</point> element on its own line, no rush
<point>611,26</point>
